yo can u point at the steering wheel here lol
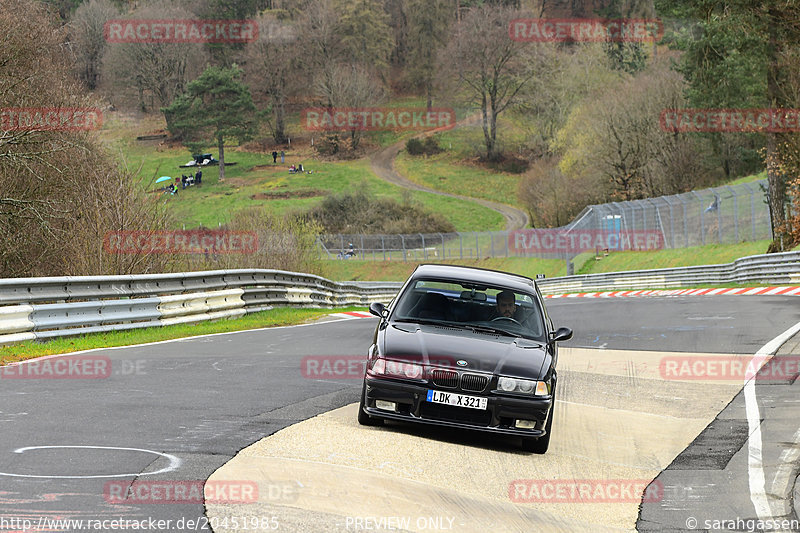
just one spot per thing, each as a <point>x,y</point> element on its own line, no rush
<point>514,320</point>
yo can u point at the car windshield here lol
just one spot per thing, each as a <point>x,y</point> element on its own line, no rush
<point>492,309</point>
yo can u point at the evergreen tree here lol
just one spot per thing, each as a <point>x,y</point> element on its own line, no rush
<point>215,106</point>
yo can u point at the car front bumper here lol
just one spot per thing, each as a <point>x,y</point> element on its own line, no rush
<point>498,417</point>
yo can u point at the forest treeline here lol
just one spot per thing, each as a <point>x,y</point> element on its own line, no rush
<point>583,117</point>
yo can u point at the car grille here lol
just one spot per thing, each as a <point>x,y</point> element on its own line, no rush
<point>474,382</point>
<point>455,414</point>
<point>445,378</point>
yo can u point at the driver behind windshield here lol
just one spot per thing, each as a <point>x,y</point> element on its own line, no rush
<point>505,307</point>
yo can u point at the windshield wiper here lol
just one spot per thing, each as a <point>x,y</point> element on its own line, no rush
<point>488,329</point>
<point>425,321</point>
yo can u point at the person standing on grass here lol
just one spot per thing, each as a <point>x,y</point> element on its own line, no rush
<point>274,157</point>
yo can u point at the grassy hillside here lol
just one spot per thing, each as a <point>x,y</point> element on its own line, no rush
<point>256,181</point>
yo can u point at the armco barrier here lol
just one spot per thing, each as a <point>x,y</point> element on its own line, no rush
<point>769,268</point>
<point>45,308</point>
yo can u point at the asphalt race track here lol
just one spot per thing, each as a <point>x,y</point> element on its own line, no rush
<point>173,413</point>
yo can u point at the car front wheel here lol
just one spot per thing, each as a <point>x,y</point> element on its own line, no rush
<point>540,445</point>
<point>363,418</point>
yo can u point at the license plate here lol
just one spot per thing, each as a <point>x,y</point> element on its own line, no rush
<point>458,400</point>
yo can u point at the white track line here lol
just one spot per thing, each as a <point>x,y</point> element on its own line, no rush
<point>755,466</point>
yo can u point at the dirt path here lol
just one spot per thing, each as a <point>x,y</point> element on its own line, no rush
<point>382,163</point>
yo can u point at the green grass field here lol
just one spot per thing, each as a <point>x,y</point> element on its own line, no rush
<point>280,316</point>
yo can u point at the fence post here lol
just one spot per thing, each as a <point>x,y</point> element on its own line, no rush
<point>671,222</point>
<point>444,252</point>
<point>640,203</point>
<point>735,214</point>
<point>383,246</point>
<point>460,245</point>
<point>477,246</point>
<point>702,218</point>
<point>718,198</point>
<point>403,244</point>
<point>362,247</point>
<point>752,209</point>
<point>424,250</point>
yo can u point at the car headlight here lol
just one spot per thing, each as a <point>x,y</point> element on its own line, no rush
<point>397,369</point>
<point>524,386</point>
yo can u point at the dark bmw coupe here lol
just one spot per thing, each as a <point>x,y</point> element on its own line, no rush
<point>467,348</point>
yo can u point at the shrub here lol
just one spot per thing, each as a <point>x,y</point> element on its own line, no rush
<point>414,147</point>
<point>429,146</point>
<point>361,212</point>
<point>510,164</point>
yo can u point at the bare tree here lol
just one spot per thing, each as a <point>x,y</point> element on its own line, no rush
<point>320,48</point>
<point>159,71</point>
<point>617,136</point>
<point>88,38</point>
<point>482,66</point>
<point>57,186</point>
<point>352,86</point>
<point>428,22</point>
<point>551,199</point>
<point>569,75</point>
<point>271,69</point>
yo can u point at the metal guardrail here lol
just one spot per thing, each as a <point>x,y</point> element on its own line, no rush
<point>769,268</point>
<point>44,308</point>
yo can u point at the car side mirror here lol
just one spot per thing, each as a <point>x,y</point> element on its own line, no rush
<point>561,334</point>
<point>378,309</point>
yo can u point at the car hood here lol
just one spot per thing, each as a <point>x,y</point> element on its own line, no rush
<point>485,352</point>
